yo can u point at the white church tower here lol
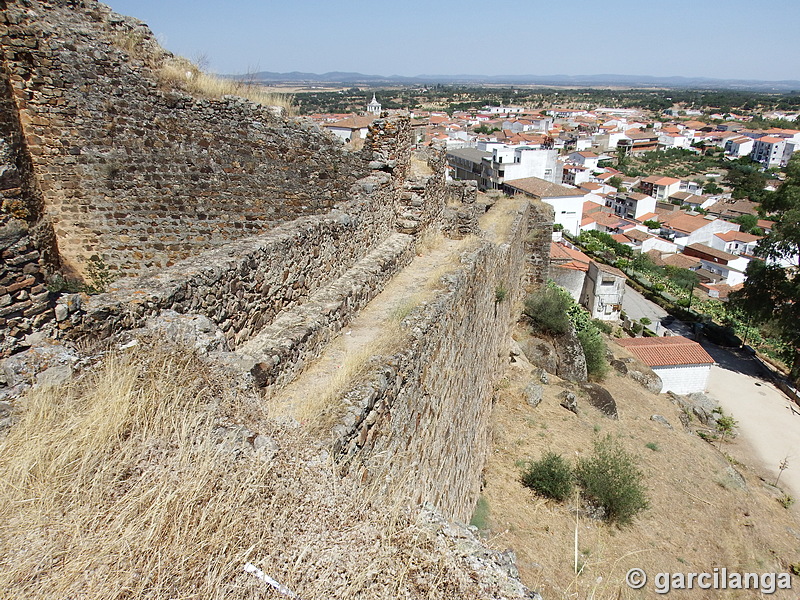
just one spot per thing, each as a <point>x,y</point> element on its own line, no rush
<point>374,107</point>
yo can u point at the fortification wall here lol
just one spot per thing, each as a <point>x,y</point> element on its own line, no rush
<point>137,174</point>
<point>245,284</point>
<point>420,421</point>
<point>27,253</point>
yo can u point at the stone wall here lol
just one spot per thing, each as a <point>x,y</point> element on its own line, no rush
<point>245,284</point>
<point>143,176</point>
<point>420,421</point>
<point>537,243</point>
<point>26,241</point>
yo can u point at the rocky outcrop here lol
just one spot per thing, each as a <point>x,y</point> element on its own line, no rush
<point>601,399</point>
<point>560,355</point>
<point>571,360</point>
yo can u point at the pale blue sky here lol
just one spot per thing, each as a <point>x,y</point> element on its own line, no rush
<point>706,38</point>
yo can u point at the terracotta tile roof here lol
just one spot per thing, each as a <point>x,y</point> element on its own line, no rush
<point>667,351</point>
<point>712,252</point>
<point>657,180</point>
<point>649,217</point>
<point>764,224</point>
<point>609,269</point>
<point>681,260</point>
<point>738,236</point>
<point>352,123</point>
<point>638,235</point>
<point>723,290</point>
<point>684,223</point>
<point>569,258</point>
<point>768,139</point>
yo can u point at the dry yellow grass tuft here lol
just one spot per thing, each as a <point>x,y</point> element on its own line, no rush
<point>182,73</point>
<point>124,485</point>
<point>179,72</point>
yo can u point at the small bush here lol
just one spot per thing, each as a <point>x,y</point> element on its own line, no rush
<point>550,476</point>
<point>481,514</point>
<point>500,293</point>
<point>611,479</point>
<point>786,501</point>
<point>602,326</point>
<point>645,321</point>
<point>547,308</point>
<point>594,349</point>
<point>99,275</point>
<point>653,446</point>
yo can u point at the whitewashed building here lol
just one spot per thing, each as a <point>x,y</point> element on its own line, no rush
<point>682,365</point>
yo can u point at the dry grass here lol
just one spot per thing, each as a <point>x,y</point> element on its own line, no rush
<point>182,73</point>
<point>321,411</point>
<point>179,72</point>
<point>121,486</point>
<point>497,221</point>
<point>694,522</point>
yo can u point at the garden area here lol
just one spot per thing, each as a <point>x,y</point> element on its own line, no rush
<point>675,289</point>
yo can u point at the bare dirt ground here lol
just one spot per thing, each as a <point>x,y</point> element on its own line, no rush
<point>699,516</point>
<point>768,422</point>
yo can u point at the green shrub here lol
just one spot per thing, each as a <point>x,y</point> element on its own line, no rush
<point>481,515</point>
<point>594,349</point>
<point>602,326</point>
<point>547,308</point>
<point>500,293</point>
<point>611,479</point>
<point>550,476</point>
<point>645,321</point>
<point>99,275</point>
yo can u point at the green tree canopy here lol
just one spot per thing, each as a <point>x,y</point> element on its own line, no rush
<point>771,293</point>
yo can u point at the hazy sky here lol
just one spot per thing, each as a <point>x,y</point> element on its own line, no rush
<point>709,38</point>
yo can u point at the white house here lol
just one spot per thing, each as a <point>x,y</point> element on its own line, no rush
<point>603,290</point>
<point>739,146</point>
<point>685,229</point>
<point>632,205</point>
<point>350,128</point>
<point>585,159</point>
<point>510,163</point>
<point>575,175</point>
<point>735,242</point>
<point>729,267</point>
<point>768,150</point>
<point>682,365</point>
<point>660,188</point>
<point>673,140</point>
<point>567,202</point>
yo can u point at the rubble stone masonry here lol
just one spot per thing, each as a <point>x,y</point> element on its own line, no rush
<point>139,175</point>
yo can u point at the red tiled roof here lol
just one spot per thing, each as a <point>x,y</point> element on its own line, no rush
<point>667,351</point>
<point>738,236</point>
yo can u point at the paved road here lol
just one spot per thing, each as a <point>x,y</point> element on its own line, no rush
<point>637,306</point>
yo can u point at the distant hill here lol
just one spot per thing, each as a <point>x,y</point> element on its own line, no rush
<point>603,80</point>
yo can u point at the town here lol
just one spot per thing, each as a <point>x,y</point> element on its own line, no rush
<point>671,195</point>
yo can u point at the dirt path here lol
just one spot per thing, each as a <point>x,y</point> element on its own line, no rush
<point>376,330</point>
<point>769,424</point>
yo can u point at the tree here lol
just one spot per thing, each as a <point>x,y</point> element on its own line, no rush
<point>746,222</point>
<point>771,291</point>
<point>711,188</point>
